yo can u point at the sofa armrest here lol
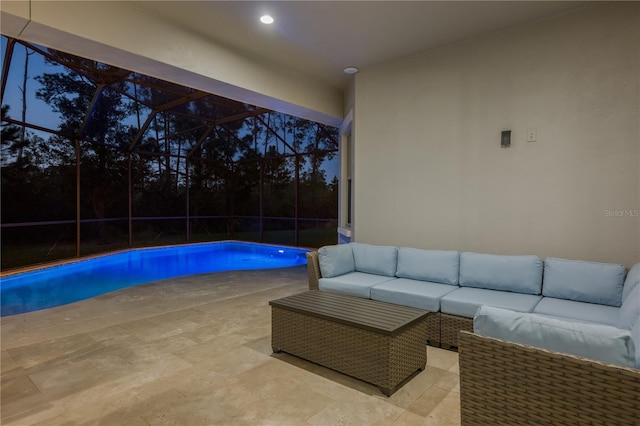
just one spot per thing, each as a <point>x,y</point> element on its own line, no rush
<point>503,382</point>
<point>313,269</point>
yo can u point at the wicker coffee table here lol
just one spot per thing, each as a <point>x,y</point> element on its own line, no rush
<point>380,343</point>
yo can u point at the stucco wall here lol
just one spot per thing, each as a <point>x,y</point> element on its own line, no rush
<point>429,169</point>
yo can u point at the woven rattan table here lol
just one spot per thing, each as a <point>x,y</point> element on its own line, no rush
<point>380,343</point>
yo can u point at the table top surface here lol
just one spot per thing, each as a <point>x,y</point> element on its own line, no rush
<point>372,315</point>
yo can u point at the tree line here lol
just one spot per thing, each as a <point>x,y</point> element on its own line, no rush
<point>164,162</point>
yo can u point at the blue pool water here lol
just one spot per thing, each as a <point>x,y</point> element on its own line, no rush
<point>62,284</point>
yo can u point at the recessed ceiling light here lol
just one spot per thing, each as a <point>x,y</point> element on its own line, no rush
<point>351,70</point>
<point>266,19</point>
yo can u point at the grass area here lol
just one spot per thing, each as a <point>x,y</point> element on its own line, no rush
<point>28,254</point>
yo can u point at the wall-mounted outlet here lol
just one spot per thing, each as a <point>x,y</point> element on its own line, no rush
<point>532,135</point>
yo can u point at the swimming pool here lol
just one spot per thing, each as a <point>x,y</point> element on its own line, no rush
<point>67,283</point>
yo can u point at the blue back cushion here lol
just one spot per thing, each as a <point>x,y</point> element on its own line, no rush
<point>336,260</point>
<point>378,260</point>
<point>582,281</point>
<point>595,341</point>
<point>635,336</point>
<point>436,266</point>
<point>632,280</point>
<point>519,274</point>
<point>630,309</point>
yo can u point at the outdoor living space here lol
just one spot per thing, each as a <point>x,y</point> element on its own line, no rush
<point>195,350</point>
<point>507,128</point>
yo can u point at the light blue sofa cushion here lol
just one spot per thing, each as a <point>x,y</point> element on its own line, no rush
<point>519,274</point>
<point>632,281</point>
<point>635,336</point>
<point>438,266</point>
<point>594,341</point>
<point>465,301</point>
<point>378,260</point>
<point>630,310</point>
<point>355,283</point>
<point>570,309</point>
<point>418,294</point>
<point>582,281</point>
<point>336,260</point>
<point>567,319</point>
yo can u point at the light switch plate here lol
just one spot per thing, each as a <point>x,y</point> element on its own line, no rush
<point>532,135</point>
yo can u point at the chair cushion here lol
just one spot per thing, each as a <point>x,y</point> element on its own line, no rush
<point>336,260</point>
<point>635,336</point>
<point>594,341</point>
<point>438,266</point>
<point>569,319</point>
<point>355,283</point>
<point>632,280</point>
<point>570,309</point>
<point>630,310</point>
<point>520,274</point>
<point>417,294</point>
<point>465,301</point>
<point>378,260</point>
<point>582,281</point>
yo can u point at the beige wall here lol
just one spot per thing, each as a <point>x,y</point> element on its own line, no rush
<point>147,44</point>
<point>429,170</point>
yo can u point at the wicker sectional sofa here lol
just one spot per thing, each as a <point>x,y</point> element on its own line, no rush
<point>539,342</point>
<point>456,285</point>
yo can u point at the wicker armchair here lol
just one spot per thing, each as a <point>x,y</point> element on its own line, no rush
<point>511,384</point>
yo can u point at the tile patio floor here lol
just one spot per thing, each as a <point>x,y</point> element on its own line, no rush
<point>195,351</point>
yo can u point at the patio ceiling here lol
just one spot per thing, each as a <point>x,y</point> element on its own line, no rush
<point>321,38</point>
